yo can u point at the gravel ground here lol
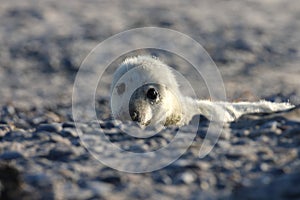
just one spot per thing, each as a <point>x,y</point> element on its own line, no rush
<point>256,46</point>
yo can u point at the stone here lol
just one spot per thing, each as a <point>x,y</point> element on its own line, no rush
<point>68,125</point>
<point>60,153</point>
<point>55,127</point>
<point>69,132</point>
<point>187,177</point>
<point>10,155</point>
<point>59,139</point>
<point>4,129</point>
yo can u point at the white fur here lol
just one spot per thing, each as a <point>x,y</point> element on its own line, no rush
<point>152,70</point>
<point>141,70</point>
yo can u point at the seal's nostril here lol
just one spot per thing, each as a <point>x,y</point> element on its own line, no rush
<point>135,116</point>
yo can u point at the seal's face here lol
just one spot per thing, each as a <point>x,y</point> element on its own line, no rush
<point>153,104</point>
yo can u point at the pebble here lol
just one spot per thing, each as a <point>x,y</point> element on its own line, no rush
<point>204,165</point>
<point>69,132</point>
<point>99,189</point>
<point>68,125</point>
<point>264,167</point>
<point>186,178</point>
<point>10,155</point>
<point>4,129</point>
<point>204,185</point>
<point>225,135</point>
<point>16,135</point>
<point>292,132</point>
<point>246,132</point>
<point>9,110</point>
<point>40,180</point>
<point>38,120</point>
<point>60,153</point>
<point>55,127</point>
<point>52,117</point>
<point>59,139</point>
<point>22,124</point>
<point>110,124</point>
<point>224,144</point>
<point>111,178</point>
<point>43,183</point>
<point>273,125</point>
<point>242,44</point>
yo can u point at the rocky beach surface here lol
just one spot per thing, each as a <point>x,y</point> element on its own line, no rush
<point>256,46</point>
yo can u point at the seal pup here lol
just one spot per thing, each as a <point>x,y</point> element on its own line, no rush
<point>145,90</point>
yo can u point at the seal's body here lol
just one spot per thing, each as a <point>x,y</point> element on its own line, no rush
<point>145,90</point>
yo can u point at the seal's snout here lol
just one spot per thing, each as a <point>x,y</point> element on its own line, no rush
<point>135,116</point>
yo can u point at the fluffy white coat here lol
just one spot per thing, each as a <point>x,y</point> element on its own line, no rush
<point>174,108</point>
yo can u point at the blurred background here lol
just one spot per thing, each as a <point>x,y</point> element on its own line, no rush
<point>255,44</point>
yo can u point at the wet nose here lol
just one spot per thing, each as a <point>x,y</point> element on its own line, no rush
<point>135,116</point>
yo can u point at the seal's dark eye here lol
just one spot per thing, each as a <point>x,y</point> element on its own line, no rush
<point>152,94</point>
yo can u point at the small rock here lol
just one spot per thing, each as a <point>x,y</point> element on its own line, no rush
<point>23,124</point>
<point>59,139</point>
<point>4,129</point>
<point>224,144</point>
<point>43,183</point>
<point>60,153</point>
<point>242,44</point>
<point>42,135</point>
<point>264,139</point>
<point>99,189</point>
<point>204,165</point>
<point>225,135</point>
<point>55,127</point>
<point>39,180</point>
<point>110,124</point>
<point>68,125</point>
<point>246,132</point>
<point>69,174</point>
<point>187,177</point>
<point>204,185</point>
<point>17,135</point>
<point>234,155</point>
<point>112,179</point>
<point>52,117</point>
<point>271,125</point>
<point>9,110</point>
<point>134,148</point>
<point>240,152</point>
<point>38,120</point>
<point>10,155</point>
<point>69,132</point>
<point>264,167</point>
<point>292,132</point>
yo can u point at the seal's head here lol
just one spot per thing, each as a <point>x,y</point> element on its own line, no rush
<point>145,90</point>
<point>153,104</point>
